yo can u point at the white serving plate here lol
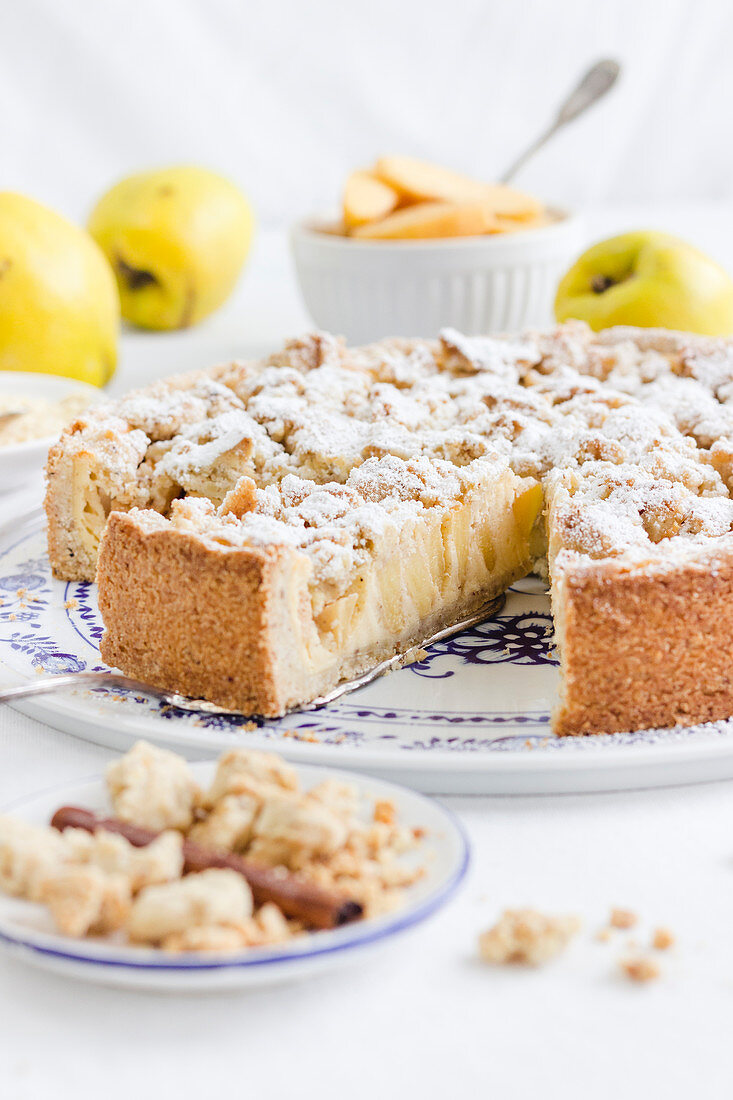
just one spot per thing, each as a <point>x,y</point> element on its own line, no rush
<point>367,290</point>
<point>21,462</point>
<point>472,718</point>
<point>27,932</point>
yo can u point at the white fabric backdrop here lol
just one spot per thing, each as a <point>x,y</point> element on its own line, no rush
<point>287,95</point>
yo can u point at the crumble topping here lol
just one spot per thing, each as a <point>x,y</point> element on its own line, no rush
<point>631,433</point>
<point>158,862</point>
<point>337,526</point>
<point>24,417</point>
<point>85,900</point>
<point>26,852</point>
<point>152,787</point>
<point>214,897</point>
<point>250,771</point>
<point>527,937</point>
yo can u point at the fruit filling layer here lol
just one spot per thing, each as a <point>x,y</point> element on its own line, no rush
<point>400,543</point>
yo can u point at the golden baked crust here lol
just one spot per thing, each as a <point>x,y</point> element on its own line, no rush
<point>187,618</point>
<point>646,648</point>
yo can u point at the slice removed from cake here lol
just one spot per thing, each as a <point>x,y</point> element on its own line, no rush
<point>281,593</point>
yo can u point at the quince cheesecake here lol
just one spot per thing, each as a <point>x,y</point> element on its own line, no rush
<point>262,531</point>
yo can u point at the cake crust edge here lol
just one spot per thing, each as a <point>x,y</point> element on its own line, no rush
<point>174,611</point>
<point>646,649</point>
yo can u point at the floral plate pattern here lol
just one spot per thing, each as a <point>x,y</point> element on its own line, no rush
<point>471,717</point>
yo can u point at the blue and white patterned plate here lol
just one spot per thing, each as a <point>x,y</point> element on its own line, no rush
<point>27,932</point>
<point>472,717</point>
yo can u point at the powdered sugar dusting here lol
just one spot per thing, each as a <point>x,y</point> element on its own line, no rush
<point>338,525</point>
<point>631,433</point>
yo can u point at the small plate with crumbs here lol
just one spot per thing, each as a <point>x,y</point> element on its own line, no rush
<point>241,872</point>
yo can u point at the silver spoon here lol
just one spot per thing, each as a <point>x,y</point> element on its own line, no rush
<point>599,79</point>
<point>45,685</point>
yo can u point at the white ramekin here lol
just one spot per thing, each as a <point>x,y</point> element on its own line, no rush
<point>366,290</point>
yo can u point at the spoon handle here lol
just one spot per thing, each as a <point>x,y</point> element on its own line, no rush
<point>44,685</point>
<point>599,79</point>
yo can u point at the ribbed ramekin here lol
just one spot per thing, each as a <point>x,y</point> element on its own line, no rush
<point>366,290</point>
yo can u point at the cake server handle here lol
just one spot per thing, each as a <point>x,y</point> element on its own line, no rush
<point>599,79</point>
<point>44,685</point>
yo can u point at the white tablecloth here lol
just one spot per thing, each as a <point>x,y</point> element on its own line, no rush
<point>425,1019</point>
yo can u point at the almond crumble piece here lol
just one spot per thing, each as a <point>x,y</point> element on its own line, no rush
<point>157,862</point>
<point>26,853</point>
<point>213,897</point>
<point>640,969</point>
<point>84,899</point>
<point>152,787</point>
<point>291,828</point>
<point>527,937</point>
<point>269,926</point>
<point>622,918</point>
<point>662,939</point>
<point>341,798</point>
<point>98,882</point>
<point>248,771</point>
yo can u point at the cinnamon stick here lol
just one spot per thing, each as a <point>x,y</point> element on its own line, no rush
<point>300,900</point>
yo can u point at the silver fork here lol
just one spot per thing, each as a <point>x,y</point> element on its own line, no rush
<point>45,685</point>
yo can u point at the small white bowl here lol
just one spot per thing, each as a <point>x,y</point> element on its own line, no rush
<point>21,462</point>
<point>367,290</point>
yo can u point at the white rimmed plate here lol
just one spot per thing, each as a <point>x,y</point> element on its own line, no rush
<point>471,718</point>
<point>26,930</point>
<point>21,462</point>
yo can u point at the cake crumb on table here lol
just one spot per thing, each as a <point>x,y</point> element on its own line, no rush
<point>662,939</point>
<point>526,937</point>
<point>640,969</point>
<point>622,918</point>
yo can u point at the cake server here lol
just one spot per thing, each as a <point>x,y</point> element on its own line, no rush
<point>95,681</point>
